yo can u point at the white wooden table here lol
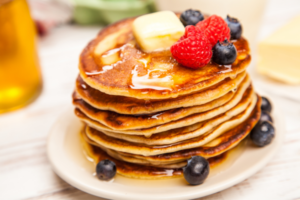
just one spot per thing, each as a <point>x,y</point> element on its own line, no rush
<point>25,172</point>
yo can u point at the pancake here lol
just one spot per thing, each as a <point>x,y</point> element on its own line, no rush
<point>149,114</point>
<point>130,158</point>
<point>138,160</point>
<point>241,94</point>
<point>119,121</point>
<point>216,147</point>
<point>114,64</point>
<point>127,105</point>
<point>145,150</point>
<point>126,122</point>
<point>183,133</point>
<point>130,170</point>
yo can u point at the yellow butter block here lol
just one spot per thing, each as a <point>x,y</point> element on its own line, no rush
<point>279,54</point>
<point>157,31</point>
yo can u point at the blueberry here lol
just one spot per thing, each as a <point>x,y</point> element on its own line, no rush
<point>191,17</point>
<point>106,170</point>
<point>262,134</point>
<point>265,116</point>
<point>224,53</point>
<point>235,27</point>
<point>266,104</point>
<point>196,170</point>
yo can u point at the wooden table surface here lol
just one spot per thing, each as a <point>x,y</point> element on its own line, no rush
<point>25,172</point>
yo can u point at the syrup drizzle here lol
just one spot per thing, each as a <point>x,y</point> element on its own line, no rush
<point>104,69</point>
<point>227,68</point>
<point>152,80</point>
<point>156,116</point>
<point>110,53</point>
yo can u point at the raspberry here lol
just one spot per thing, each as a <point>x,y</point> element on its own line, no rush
<point>190,31</point>
<point>193,50</point>
<point>215,28</point>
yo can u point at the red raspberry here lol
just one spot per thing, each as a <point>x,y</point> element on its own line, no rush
<point>190,31</point>
<point>215,28</point>
<point>193,50</point>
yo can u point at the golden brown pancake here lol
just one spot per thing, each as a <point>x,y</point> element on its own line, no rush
<point>216,147</point>
<point>155,75</point>
<point>146,150</point>
<point>189,120</point>
<point>187,132</point>
<point>119,121</point>
<point>127,105</point>
<point>126,122</point>
<point>137,171</point>
<point>130,158</point>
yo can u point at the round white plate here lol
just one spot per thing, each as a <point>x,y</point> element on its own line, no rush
<point>67,159</point>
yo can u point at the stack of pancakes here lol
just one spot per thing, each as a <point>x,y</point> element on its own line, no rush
<point>150,115</point>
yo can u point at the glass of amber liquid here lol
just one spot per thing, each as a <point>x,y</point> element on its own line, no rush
<point>20,77</point>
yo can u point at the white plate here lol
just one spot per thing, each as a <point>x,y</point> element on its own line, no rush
<point>67,159</point>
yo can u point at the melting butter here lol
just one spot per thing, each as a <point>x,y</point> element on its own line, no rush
<point>151,80</point>
<point>155,78</point>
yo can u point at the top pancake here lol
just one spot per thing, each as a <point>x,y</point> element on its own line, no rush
<point>127,105</point>
<point>114,64</point>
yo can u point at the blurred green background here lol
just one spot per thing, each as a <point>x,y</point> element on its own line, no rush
<point>109,11</point>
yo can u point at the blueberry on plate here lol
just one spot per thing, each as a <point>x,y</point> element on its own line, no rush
<point>196,170</point>
<point>266,104</point>
<point>106,170</point>
<point>235,27</point>
<point>265,116</point>
<point>191,17</point>
<point>262,134</point>
<point>224,53</point>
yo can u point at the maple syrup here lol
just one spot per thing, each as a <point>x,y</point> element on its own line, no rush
<point>20,77</point>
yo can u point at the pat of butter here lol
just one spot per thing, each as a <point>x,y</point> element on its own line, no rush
<point>157,31</point>
<point>279,54</point>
